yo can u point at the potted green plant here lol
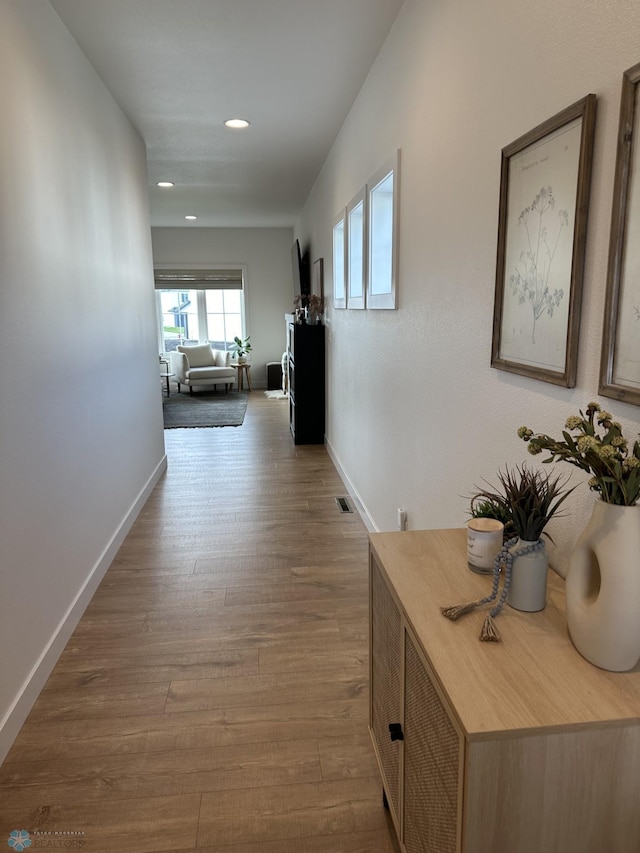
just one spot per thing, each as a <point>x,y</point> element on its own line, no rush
<point>528,499</point>
<point>603,581</point>
<point>240,347</point>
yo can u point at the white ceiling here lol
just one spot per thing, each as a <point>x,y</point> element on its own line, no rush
<point>179,68</point>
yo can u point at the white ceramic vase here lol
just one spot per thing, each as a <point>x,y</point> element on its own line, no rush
<point>603,588</point>
<point>528,588</point>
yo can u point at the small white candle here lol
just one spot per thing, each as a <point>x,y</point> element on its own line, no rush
<point>484,541</point>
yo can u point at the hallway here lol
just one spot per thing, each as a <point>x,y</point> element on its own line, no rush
<point>214,695</point>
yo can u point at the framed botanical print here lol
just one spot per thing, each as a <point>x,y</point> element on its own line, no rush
<point>620,359</point>
<point>317,278</point>
<point>542,224</point>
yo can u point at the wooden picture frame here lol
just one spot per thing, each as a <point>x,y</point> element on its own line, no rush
<point>317,278</point>
<point>544,200</point>
<point>620,357</point>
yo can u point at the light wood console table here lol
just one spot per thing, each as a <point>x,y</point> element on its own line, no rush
<point>513,747</point>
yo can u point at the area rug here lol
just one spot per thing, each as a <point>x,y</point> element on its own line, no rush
<point>205,408</point>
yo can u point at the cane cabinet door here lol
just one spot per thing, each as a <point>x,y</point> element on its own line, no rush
<point>386,684</point>
<point>432,751</point>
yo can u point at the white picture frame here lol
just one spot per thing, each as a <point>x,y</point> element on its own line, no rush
<point>383,211</point>
<point>357,250</point>
<point>339,260</point>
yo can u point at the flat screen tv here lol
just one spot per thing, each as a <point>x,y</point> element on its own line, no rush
<point>300,270</point>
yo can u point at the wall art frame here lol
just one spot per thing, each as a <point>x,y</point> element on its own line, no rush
<point>545,180</point>
<point>620,356</point>
<point>357,225</point>
<point>317,278</point>
<point>383,234</point>
<point>339,259</point>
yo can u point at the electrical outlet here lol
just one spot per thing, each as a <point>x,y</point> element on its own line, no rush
<point>402,519</point>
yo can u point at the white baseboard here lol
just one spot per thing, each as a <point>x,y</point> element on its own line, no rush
<point>353,492</point>
<point>24,701</point>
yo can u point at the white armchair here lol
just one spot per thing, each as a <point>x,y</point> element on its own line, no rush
<point>202,365</point>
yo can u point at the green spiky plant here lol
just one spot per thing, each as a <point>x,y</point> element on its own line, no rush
<point>528,498</point>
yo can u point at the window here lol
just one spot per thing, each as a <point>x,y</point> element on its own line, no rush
<point>224,316</point>
<point>199,306</point>
<point>179,314</point>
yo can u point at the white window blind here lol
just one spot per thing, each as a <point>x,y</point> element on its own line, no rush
<point>211,279</point>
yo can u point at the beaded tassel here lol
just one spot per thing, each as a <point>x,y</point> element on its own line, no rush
<point>505,558</point>
<point>459,610</point>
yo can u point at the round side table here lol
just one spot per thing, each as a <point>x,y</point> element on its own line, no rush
<point>242,370</point>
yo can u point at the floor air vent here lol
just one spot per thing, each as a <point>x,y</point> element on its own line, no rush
<point>343,505</point>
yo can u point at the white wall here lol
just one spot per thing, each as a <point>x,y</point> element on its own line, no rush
<point>268,286</point>
<point>81,437</point>
<point>416,416</point>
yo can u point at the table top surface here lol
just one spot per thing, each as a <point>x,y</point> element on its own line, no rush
<point>533,679</point>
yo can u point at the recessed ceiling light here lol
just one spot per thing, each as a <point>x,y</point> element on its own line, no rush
<point>165,184</point>
<point>236,123</point>
<point>191,217</point>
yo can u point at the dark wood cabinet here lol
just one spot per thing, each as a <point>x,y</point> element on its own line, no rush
<point>305,349</point>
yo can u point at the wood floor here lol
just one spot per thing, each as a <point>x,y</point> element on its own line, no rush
<point>214,694</point>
